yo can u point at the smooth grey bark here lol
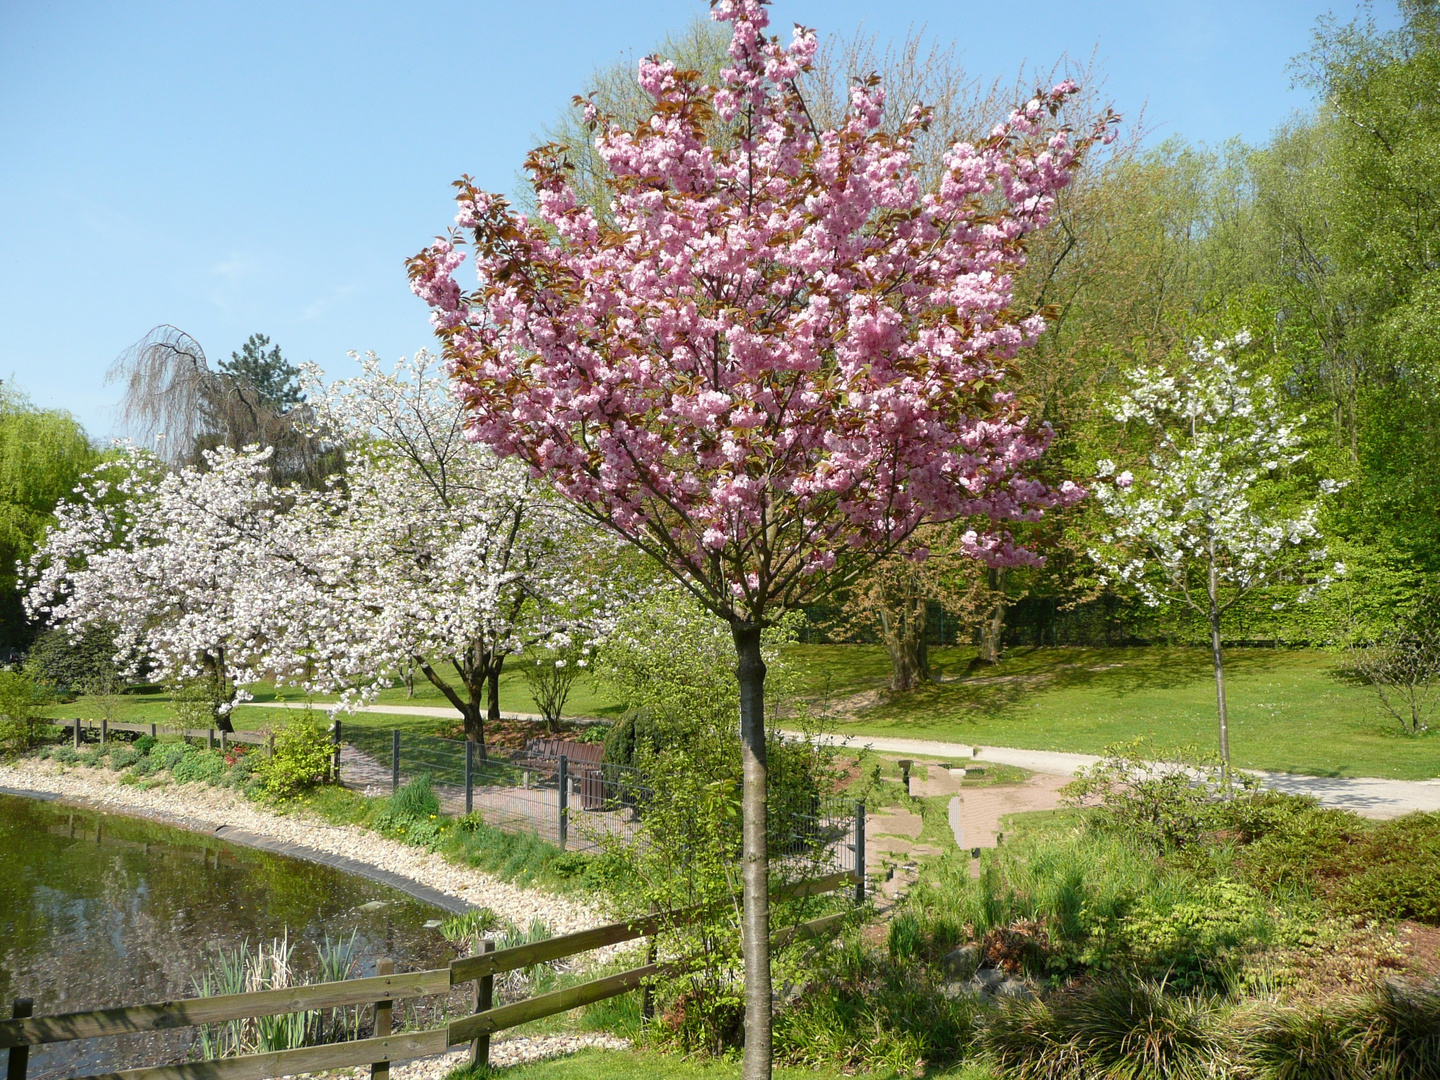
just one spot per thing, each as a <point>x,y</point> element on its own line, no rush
<point>755,868</point>
<point>1222,712</point>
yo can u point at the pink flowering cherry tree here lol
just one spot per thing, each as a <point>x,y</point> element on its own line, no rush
<point>774,357</point>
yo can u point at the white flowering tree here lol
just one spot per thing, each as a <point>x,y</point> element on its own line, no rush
<point>1216,513</point>
<point>434,551</point>
<point>189,569</point>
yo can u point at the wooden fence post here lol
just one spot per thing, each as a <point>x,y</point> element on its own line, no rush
<point>154,731</point>
<point>336,766</point>
<point>77,733</point>
<point>210,739</point>
<point>222,740</point>
<point>860,852</point>
<point>469,776</point>
<point>564,823</point>
<point>394,760</point>
<point>20,1055</point>
<point>104,730</point>
<point>380,1070</point>
<point>270,745</point>
<point>484,999</point>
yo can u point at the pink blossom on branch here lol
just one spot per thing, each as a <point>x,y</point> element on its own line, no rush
<point>779,351</point>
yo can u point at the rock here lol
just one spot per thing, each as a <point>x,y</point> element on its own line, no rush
<point>963,962</point>
<point>1014,988</point>
<point>987,979</point>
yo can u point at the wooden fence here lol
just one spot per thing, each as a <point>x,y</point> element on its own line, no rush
<point>214,737</point>
<point>382,990</point>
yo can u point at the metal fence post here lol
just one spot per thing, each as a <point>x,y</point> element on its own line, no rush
<point>564,824</point>
<point>469,776</point>
<point>336,766</point>
<point>860,852</point>
<point>380,1070</point>
<point>20,1055</point>
<point>484,999</point>
<point>394,760</point>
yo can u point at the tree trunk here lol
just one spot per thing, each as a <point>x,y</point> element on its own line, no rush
<point>993,628</point>
<point>492,687</point>
<point>903,627</point>
<point>410,680</point>
<point>755,869</point>
<point>468,707</point>
<point>1219,669</point>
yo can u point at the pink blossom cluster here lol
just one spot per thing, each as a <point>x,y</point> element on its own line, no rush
<point>778,348</point>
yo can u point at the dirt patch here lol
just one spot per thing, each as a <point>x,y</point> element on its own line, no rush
<point>510,734</point>
<point>1422,943</point>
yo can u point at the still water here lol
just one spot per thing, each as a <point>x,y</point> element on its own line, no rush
<point>99,910</point>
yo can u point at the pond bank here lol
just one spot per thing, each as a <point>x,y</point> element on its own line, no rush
<point>230,816</point>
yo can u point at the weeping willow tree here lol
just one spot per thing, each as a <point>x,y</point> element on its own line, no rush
<point>175,402</point>
<point>43,453</point>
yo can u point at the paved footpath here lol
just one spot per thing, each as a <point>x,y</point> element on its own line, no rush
<point>1368,796</point>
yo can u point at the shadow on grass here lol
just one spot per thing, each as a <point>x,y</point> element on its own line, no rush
<point>990,693</point>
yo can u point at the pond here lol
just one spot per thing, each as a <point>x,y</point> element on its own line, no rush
<point>99,909</point>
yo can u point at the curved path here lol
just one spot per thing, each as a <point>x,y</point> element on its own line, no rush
<point>1370,797</point>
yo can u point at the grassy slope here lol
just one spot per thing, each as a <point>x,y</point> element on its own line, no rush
<point>1290,710</point>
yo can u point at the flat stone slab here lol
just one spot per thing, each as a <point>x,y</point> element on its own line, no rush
<point>894,823</point>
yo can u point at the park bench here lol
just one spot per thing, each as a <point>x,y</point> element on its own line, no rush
<point>582,763</point>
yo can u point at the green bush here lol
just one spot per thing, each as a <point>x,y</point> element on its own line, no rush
<point>71,666</point>
<point>124,755</point>
<point>301,761</point>
<point>1392,873</point>
<point>416,800</point>
<point>200,766</point>
<point>21,726</point>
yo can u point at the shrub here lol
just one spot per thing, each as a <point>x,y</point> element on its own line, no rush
<point>124,755</point>
<point>71,666</point>
<point>202,766</point>
<point>21,726</point>
<point>1393,872</point>
<point>1121,1029</point>
<point>301,759</point>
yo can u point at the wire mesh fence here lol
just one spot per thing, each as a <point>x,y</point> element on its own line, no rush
<point>561,791</point>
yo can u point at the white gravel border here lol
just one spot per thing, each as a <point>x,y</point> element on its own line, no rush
<point>205,808</point>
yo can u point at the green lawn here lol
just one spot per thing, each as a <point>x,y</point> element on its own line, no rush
<point>1290,709</point>
<point>622,1065</point>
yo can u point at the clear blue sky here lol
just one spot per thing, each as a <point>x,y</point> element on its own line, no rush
<point>259,166</point>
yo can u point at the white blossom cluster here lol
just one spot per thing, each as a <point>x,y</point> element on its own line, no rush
<point>427,549</point>
<point>1217,436</point>
<point>188,568</point>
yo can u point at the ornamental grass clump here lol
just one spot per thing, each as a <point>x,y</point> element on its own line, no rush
<point>1117,1029</point>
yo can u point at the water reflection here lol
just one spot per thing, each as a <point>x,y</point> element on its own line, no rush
<point>98,909</point>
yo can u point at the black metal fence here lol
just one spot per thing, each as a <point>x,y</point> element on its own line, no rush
<point>580,805</point>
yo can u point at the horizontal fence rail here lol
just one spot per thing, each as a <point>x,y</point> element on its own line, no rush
<point>17,1035</point>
